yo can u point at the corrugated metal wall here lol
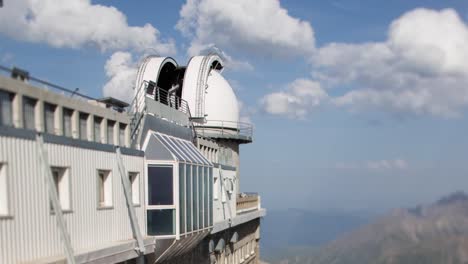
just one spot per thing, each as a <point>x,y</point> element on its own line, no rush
<point>31,232</point>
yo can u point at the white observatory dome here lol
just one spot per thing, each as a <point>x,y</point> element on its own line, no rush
<point>220,102</point>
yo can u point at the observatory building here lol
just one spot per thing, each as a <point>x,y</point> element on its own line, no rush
<point>154,180</point>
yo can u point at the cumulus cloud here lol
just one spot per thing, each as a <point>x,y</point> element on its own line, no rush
<point>237,65</point>
<point>384,164</point>
<point>229,61</point>
<point>77,23</point>
<point>246,112</point>
<point>422,68</point>
<point>299,99</point>
<point>121,70</point>
<point>387,164</point>
<point>258,27</point>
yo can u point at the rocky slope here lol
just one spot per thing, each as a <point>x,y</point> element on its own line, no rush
<point>437,233</point>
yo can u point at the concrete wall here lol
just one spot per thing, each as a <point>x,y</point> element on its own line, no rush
<point>29,231</point>
<point>231,149</point>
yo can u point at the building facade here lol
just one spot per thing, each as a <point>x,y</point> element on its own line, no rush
<point>102,181</point>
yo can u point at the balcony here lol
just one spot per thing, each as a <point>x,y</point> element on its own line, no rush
<point>247,202</point>
<point>156,101</point>
<point>240,131</point>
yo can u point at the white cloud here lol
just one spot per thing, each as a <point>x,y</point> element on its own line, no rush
<point>299,99</point>
<point>422,68</point>
<point>237,65</point>
<point>387,164</point>
<point>379,165</point>
<point>121,71</point>
<point>230,62</point>
<point>77,23</point>
<point>257,27</point>
<point>246,112</point>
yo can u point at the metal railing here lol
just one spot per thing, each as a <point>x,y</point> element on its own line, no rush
<point>225,128</point>
<point>24,75</point>
<point>160,95</point>
<point>150,89</point>
<point>247,202</point>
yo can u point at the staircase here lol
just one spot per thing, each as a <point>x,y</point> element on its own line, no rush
<point>138,110</point>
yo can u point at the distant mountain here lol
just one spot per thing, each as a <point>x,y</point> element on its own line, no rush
<point>298,228</point>
<point>437,234</point>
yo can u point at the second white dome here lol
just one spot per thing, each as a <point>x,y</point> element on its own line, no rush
<point>220,102</point>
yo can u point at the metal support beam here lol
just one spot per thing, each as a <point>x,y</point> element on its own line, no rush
<point>221,178</point>
<point>128,197</point>
<point>54,199</point>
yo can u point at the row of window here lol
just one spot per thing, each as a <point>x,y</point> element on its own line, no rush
<point>62,183</point>
<point>210,153</point>
<point>57,123</point>
<point>104,187</point>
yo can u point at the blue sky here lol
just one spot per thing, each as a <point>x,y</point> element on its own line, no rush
<point>357,105</point>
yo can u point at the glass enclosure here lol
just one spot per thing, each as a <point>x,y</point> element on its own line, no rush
<point>160,185</point>
<point>179,191</point>
<point>161,222</point>
<point>195,197</point>
<point>161,208</point>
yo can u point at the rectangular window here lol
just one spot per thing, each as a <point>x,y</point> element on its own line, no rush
<point>97,129</point>
<point>104,182</point>
<point>83,124</point>
<point>188,197</point>
<point>135,185</point>
<point>195,197</point>
<point>122,140</point>
<point>67,122</point>
<point>62,186</point>
<point>49,118</point>
<point>4,210</point>
<point>29,116</point>
<point>182,197</point>
<point>161,222</point>
<point>160,185</point>
<point>6,108</point>
<point>110,132</point>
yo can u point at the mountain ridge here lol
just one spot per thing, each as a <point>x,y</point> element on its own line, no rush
<point>426,234</point>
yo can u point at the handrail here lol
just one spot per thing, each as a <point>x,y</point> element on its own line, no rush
<point>160,95</point>
<point>138,107</point>
<point>247,202</point>
<point>226,128</point>
<point>51,85</point>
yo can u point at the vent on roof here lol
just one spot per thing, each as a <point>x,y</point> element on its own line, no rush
<point>113,103</point>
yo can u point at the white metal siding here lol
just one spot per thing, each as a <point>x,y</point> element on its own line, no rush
<point>31,232</point>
